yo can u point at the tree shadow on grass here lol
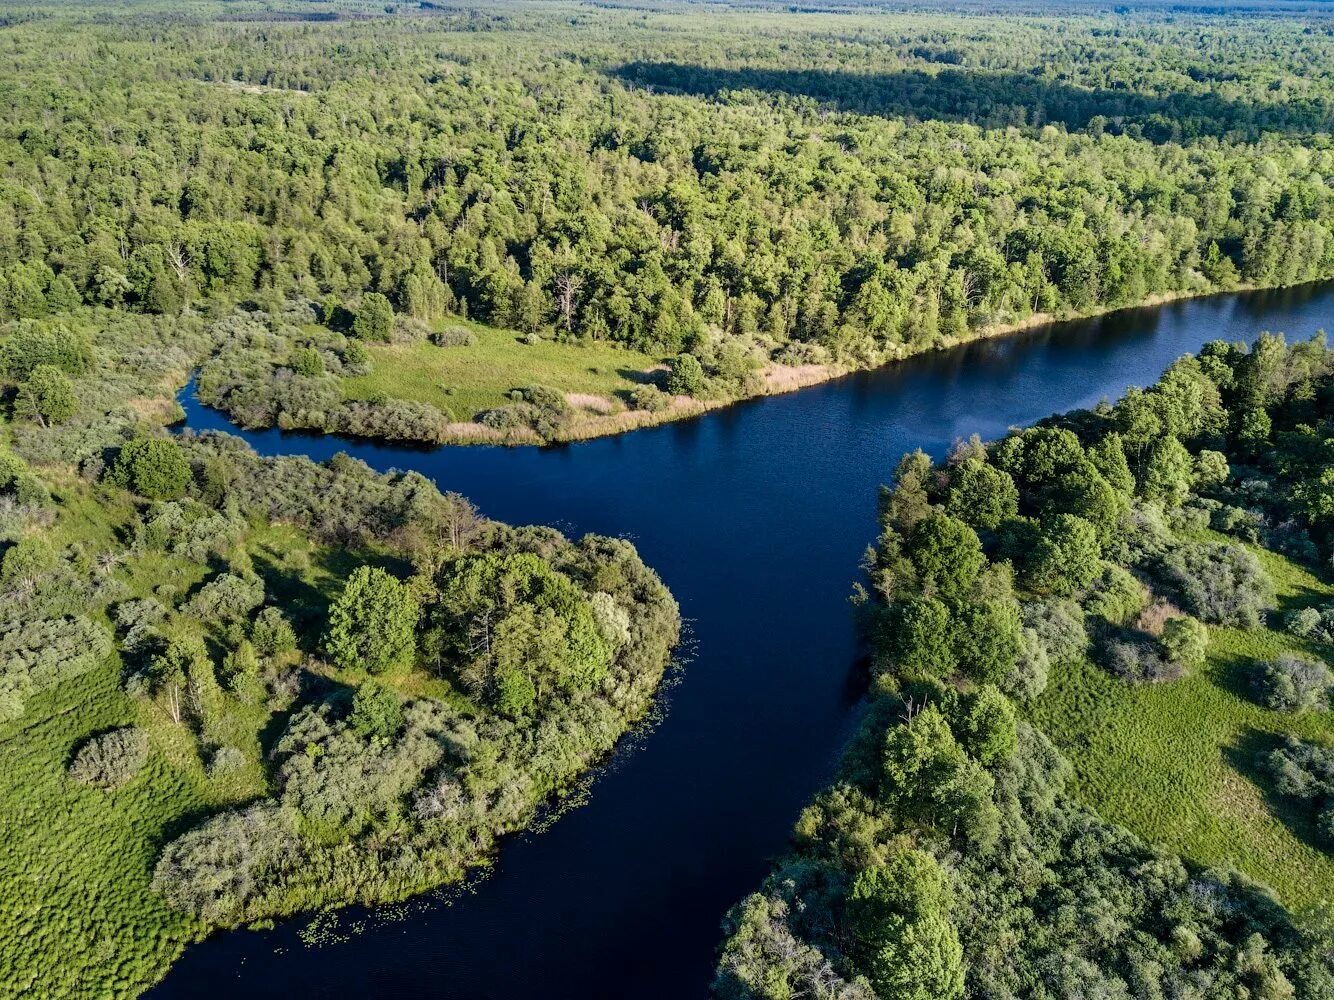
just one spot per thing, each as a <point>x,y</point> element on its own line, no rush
<point>988,99</point>
<point>1247,756</point>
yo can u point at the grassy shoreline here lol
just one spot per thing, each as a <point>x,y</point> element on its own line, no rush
<point>588,423</point>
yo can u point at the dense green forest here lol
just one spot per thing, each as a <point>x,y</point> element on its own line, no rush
<point>233,688</point>
<point>745,188</point>
<point>1163,555</point>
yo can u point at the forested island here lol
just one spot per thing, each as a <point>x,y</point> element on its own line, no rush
<point>539,222</point>
<point>1122,609</point>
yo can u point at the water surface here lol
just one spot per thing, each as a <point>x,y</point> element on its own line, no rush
<point>755,516</point>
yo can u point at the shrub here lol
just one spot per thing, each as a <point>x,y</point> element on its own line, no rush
<point>1028,677</point>
<point>111,759</point>
<point>155,468</point>
<point>307,362</point>
<point>1305,771</point>
<point>272,634</point>
<point>649,398</point>
<point>46,396</point>
<point>686,377</point>
<point>1221,584</point>
<point>356,359</point>
<point>1059,626</point>
<point>1138,661</point>
<point>376,712</point>
<point>1295,684</point>
<point>224,761</point>
<point>454,336</point>
<point>1185,642</point>
<point>1116,596</point>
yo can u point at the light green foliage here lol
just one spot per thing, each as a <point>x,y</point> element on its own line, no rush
<point>46,396</point>
<point>374,318</point>
<point>1116,596</point>
<point>1185,641</point>
<point>686,377</point>
<point>153,467</point>
<point>372,624</point>
<point>1211,469</point>
<point>900,916</point>
<point>1168,472</point>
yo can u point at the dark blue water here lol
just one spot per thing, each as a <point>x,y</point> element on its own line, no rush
<point>756,517</point>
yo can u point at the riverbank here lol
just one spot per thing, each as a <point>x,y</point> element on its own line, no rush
<point>594,392</point>
<point>754,518</point>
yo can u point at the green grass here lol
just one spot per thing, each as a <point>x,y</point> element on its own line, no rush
<point>464,381</point>
<point>1176,763</point>
<point>77,912</point>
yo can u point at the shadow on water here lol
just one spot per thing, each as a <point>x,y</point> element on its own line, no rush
<point>986,98</point>
<point>756,517</point>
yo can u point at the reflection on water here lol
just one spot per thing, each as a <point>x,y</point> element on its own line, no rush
<point>755,516</point>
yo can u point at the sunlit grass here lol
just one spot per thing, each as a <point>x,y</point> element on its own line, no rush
<point>1177,763</point>
<point>463,381</point>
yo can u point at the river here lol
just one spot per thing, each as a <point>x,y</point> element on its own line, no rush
<point>755,516</point>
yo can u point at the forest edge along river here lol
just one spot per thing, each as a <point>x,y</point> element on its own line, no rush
<point>755,516</point>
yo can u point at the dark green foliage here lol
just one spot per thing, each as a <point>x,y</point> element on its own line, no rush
<point>1295,684</point>
<point>373,622</point>
<point>1305,772</point>
<point>1066,557</point>
<point>376,712</point>
<point>1168,472</point>
<point>947,555</point>
<point>523,630</point>
<point>307,362</point>
<point>899,915</point>
<point>986,726</point>
<point>919,637</point>
<point>46,396</point>
<point>374,318</point>
<point>32,345</point>
<point>1059,902</point>
<point>986,638</point>
<point>982,495</point>
<point>154,468</point>
<point>272,634</point>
